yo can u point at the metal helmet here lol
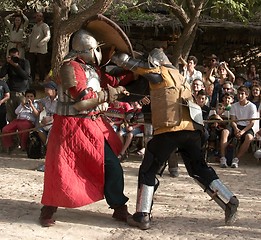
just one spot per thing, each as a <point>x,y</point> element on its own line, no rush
<point>85,46</point>
<point>157,58</point>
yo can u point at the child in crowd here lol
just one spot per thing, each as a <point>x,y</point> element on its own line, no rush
<point>130,130</point>
<point>227,100</point>
<point>119,108</point>
<point>49,104</point>
<point>27,115</point>
<point>201,100</point>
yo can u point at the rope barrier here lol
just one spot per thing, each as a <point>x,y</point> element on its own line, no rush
<point>24,131</point>
<point>230,120</point>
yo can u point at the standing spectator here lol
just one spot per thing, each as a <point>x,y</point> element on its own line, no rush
<point>4,96</point>
<point>190,73</point>
<point>18,71</point>
<point>27,114</point>
<point>16,31</point>
<point>242,130</point>
<point>211,66</point>
<point>38,42</point>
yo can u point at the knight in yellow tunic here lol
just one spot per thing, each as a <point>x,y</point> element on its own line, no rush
<point>177,123</point>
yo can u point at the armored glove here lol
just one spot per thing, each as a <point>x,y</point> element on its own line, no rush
<point>120,59</point>
<point>109,95</point>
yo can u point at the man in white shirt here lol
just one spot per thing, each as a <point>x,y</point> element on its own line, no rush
<point>38,41</point>
<point>190,73</point>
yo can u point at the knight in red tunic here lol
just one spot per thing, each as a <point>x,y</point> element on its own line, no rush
<point>81,165</point>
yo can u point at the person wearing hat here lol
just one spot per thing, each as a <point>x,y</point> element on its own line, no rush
<point>49,104</point>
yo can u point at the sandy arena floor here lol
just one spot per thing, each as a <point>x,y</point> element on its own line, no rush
<point>181,209</point>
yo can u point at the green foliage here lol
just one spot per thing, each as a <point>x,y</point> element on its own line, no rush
<point>242,10</point>
<point>126,12</point>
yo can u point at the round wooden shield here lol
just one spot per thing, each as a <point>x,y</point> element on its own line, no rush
<point>110,34</point>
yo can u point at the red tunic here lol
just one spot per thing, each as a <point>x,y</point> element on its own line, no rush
<point>74,165</point>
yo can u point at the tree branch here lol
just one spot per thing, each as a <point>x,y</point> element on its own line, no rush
<point>191,5</point>
<point>177,11</point>
<point>74,22</point>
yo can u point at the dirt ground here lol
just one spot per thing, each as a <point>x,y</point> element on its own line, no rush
<point>181,209</point>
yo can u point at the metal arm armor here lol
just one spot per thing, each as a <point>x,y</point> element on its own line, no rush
<point>125,61</point>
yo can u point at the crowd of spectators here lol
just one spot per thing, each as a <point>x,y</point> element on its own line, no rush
<point>216,88</point>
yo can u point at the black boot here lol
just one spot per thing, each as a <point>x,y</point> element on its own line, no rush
<point>140,220</point>
<point>121,213</point>
<point>231,210</point>
<point>45,218</point>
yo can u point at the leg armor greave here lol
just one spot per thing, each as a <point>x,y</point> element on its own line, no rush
<point>223,197</point>
<point>221,190</point>
<point>144,198</point>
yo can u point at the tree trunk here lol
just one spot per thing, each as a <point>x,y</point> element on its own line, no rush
<point>185,41</point>
<point>65,25</point>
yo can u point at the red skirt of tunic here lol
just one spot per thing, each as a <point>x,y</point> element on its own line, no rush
<point>74,164</point>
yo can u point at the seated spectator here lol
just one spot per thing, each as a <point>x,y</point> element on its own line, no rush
<point>240,80</point>
<point>196,86</point>
<point>27,115</point>
<point>257,153</point>
<point>251,74</point>
<point>4,96</point>
<point>130,130</point>
<point>201,100</point>
<point>255,96</point>
<point>117,108</point>
<point>256,82</point>
<point>242,130</point>
<point>214,131</point>
<point>227,100</point>
<point>49,104</point>
<point>219,91</point>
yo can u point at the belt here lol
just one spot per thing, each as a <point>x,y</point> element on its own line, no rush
<point>92,117</point>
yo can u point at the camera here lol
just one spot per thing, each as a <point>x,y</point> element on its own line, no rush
<point>15,59</point>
